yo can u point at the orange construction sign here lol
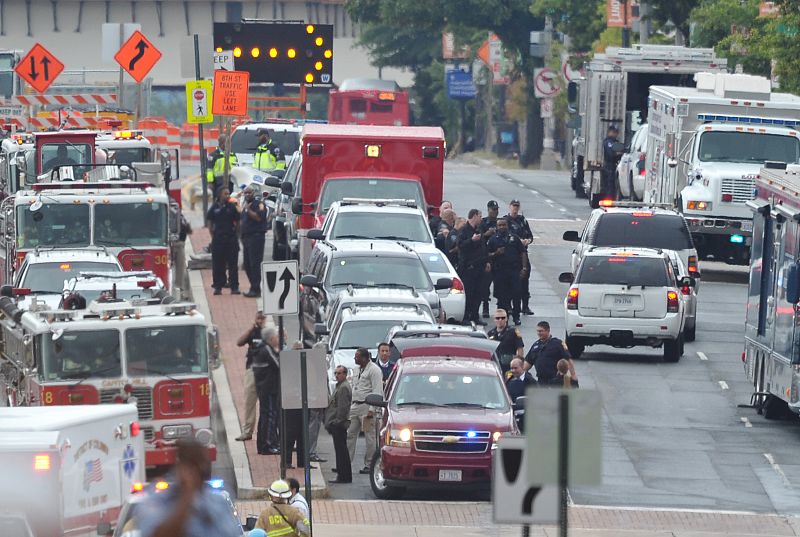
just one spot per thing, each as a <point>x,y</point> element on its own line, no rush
<point>137,56</point>
<point>39,68</point>
<point>230,93</point>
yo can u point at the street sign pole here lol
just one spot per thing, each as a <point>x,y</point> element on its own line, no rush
<point>563,459</point>
<point>121,93</point>
<point>282,435</point>
<point>200,133</point>
<point>307,465</point>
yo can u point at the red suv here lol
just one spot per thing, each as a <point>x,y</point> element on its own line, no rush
<point>442,419</point>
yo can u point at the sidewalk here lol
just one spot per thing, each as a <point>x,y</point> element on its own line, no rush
<point>231,314</point>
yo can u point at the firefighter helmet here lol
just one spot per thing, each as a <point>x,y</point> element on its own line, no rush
<point>280,489</point>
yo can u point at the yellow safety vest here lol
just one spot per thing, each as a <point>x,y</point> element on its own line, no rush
<point>219,168</point>
<point>264,159</point>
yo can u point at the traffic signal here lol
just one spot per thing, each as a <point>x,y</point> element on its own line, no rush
<point>291,53</point>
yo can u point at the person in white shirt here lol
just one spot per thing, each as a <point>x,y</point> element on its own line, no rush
<point>297,500</point>
<point>367,380</point>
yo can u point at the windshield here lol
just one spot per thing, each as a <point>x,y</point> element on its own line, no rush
<point>367,334</point>
<point>122,294</point>
<point>377,225</point>
<point>131,224</point>
<point>387,271</point>
<point>126,156</point>
<point>748,147</point>
<point>166,350</point>
<point>80,354</point>
<point>338,189</point>
<point>450,389</point>
<point>634,271</point>
<point>65,154</point>
<point>55,224</point>
<point>49,277</point>
<point>246,141</point>
<point>642,230</point>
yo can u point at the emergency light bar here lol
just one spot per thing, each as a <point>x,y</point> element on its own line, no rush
<point>79,185</point>
<point>128,135</point>
<point>749,120</point>
<point>379,202</point>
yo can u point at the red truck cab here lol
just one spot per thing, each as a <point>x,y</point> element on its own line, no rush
<point>362,161</point>
<point>63,148</point>
<point>442,418</point>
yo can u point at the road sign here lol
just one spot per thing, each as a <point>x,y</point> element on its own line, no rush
<point>460,85</point>
<point>585,458</point>
<point>230,93</point>
<point>137,56</point>
<point>224,60</point>
<point>198,101</point>
<point>279,286</point>
<point>546,108</point>
<point>515,499</point>
<point>316,378</point>
<point>39,68</point>
<point>570,74</point>
<point>545,82</point>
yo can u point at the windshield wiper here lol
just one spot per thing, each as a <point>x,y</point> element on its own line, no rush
<point>399,285</point>
<point>351,283</point>
<point>83,375</point>
<point>148,370</point>
<point>406,403</point>
<point>111,242</point>
<point>394,238</point>
<point>470,405</point>
<point>352,237</point>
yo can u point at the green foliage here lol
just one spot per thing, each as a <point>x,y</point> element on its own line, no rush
<point>677,12</point>
<point>583,21</point>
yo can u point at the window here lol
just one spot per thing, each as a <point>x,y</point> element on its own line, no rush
<point>634,271</point>
<point>53,225</point>
<point>167,350</point>
<point>49,277</point>
<point>131,224</point>
<point>80,354</point>
<point>380,108</point>
<point>381,225</point>
<point>66,154</point>
<point>358,106</point>
<point>385,271</point>
<point>338,189</point>
<point>450,389</point>
<point>368,334</point>
<point>718,146</point>
<point>646,231</point>
<point>246,141</point>
<point>434,262</point>
<point>124,157</point>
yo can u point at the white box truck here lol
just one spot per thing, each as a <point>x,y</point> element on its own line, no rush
<point>67,470</point>
<point>614,92</point>
<point>705,148</point>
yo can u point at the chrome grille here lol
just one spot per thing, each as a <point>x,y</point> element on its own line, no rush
<point>143,395</point>
<point>107,396</point>
<point>149,434</point>
<point>741,189</point>
<point>451,441</point>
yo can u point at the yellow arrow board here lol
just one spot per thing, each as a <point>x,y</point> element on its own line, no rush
<point>198,101</point>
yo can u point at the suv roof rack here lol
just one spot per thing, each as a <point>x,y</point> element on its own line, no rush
<point>379,202</point>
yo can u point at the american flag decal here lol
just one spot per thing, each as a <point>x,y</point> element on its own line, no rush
<point>92,472</point>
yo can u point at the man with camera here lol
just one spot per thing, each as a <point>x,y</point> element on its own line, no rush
<point>254,230</point>
<point>251,338</point>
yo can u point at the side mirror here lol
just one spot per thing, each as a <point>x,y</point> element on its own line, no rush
<point>443,283</point>
<point>297,205</point>
<point>320,329</point>
<point>520,402</point>
<point>571,236</point>
<point>279,173</point>
<point>250,523</point>
<point>375,399</point>
<point>287,188</point>
<point>672,162</point>
<point>273,181</point>
<point>315,234</point>
<point>687,281</point>
<point>309,280</point>
<point>793,284</point>
<point>566,277</point>
<point>104,528</point>
<point>7,290</point>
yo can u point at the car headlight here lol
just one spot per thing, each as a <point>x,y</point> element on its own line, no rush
<point>698,205</point>
<point>399,437</point>
<point>170,432</point>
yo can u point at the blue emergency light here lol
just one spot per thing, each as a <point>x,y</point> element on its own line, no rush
<point>471,434</point>
<point>216,483</point>
<point>737,239</point>
<point>749,120</point>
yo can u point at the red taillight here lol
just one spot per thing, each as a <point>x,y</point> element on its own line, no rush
<point>457,287</point>
<point>692,268</point>
<point>135,429</point>
<point>430,151</point>
<point>686,290</point>
<point>673,303</point>
<point>572,298</point>
<point>727,197</point>
<point>743,357</point>
<point>41,463</point>
<point>606,203</point>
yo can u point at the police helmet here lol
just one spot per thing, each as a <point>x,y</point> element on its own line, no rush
<point>279,490</point>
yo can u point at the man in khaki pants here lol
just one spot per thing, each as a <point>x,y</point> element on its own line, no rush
<point>367,379</point>
<point>251,338</point>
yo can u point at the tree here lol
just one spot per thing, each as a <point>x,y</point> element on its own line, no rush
<point>583,21</point>
<point>676,12</point>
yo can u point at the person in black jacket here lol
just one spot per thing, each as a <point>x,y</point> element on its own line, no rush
<point>337,421</point>
<point>472,265</point>
<point>254,230</point>
<point>266,370</point>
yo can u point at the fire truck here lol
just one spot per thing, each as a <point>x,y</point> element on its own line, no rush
<point>144,352</point>
<point>13,148</point>
<point>771,355</point>
<point>67,470</point>
<point>367,101</point>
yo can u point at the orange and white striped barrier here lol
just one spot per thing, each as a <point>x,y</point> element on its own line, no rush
<point>78,98</point>
<point>190,142</point>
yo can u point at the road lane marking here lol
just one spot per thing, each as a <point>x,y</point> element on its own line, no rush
<point>702,356</point>
<point>723,385</point>
<point>520,185</point>
<point>777,468</point>
<point>562,209</point>
<point>746,421</point>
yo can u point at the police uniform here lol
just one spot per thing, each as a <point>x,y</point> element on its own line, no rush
<point>487,228</point>
<point>510,340</point>
<point>506,271</point>
<point>518,225</point>
<point>254,229</point>
<point>264,158</point>
<point>544,355</point>
<point>471,266</point>
<point>215,171</point>
<point>224,245</point>
<point>610,160</point>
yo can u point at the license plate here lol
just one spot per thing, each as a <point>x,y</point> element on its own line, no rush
<point>623,301</point>
<point>449,475</point>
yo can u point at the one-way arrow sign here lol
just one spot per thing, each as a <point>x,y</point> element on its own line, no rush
<point>279,294</point>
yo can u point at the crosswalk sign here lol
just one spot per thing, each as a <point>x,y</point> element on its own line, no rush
<point>198,101</point>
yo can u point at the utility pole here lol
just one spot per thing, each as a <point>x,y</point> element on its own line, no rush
<point>626,31</point>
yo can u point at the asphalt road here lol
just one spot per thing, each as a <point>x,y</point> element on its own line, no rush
<point>673,434</point>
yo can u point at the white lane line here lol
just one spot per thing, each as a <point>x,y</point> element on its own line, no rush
<point>520,185</point>
<point>778,470</point>
<point>723,385</point>
<point>746,421</point>
<point>702,356</point>
<point>533,191</point>
<point>562,209</point>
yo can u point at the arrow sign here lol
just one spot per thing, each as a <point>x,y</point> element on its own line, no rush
<point>279,294</point>
<point>39,68</point>
<point>137,56</point>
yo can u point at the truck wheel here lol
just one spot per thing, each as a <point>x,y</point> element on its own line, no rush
<point>381,490</point>
<point>673,349</point>
<point>774,408</point>
<point>575,348</point>
<point>690,332</point>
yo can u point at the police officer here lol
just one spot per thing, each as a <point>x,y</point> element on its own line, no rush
<point>254,230</point>
<point>488,228</point>
<point>472,263</point>
<point>610,160</point>
<point>446,237</point>
<point>545,353</point>
<point>518,225</point>
<point>511,345</point>
<point>265,158</point>
<point>215,171</point>
<point>509,260</point>
<point>223,220</point>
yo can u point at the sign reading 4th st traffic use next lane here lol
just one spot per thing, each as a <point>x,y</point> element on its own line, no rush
<point>279,288</point>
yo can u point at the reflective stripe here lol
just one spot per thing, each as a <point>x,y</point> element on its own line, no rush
<point>280,531</point>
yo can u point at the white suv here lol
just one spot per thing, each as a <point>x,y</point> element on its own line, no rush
<point>625,297</point>
<point>285,135</point>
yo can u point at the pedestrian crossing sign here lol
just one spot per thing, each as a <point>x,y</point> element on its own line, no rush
<point>198,101</point>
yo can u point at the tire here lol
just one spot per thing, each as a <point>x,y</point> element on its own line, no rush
<point>774,408</point>
<point>580,192</point>
<point>575,348</point>
<point>673,349</point>
<point>631,191</point>
<point>380,489</point>
<point>689,333</point>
